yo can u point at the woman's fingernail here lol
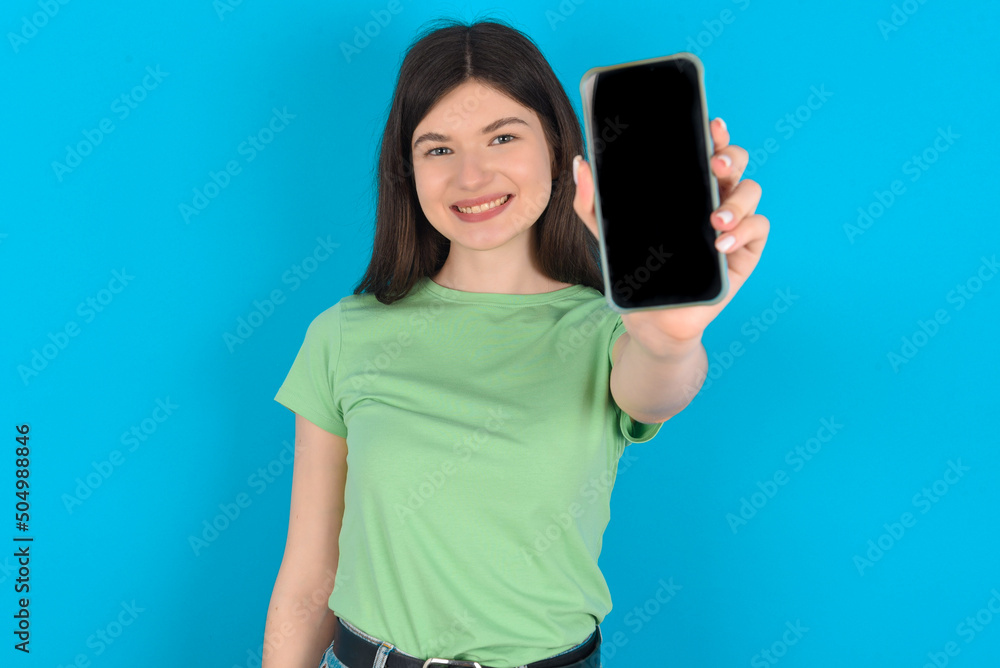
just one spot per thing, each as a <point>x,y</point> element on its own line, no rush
<point>725,216</point>
<point>726,159</point>
<point>723,123</point>
<point>576,165</point>
<point>725,243</point>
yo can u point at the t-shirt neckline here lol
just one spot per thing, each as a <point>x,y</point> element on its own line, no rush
<point>450,294</point>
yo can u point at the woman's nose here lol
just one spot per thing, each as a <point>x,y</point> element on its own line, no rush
<point>473,169</point>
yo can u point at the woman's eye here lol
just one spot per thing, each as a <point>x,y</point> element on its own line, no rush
<point>442,148</point>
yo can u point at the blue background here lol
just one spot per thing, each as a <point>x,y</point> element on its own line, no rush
<point>855,299</point>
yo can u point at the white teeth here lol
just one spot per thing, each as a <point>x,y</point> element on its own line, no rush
<point>483,207</point>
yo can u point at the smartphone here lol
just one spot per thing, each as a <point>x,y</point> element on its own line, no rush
<point>649,147</point>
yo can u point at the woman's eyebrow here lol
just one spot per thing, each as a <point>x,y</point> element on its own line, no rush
<point>492,127</point>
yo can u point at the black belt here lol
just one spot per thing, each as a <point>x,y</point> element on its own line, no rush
<point>356,652</point>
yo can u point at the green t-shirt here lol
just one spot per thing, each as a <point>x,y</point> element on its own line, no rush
<point>483,445</point>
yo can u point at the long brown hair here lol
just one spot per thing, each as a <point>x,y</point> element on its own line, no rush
<point>406,246</point>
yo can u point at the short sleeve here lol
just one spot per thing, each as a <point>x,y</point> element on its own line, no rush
<point>633,430</point>
<point>308,389</point>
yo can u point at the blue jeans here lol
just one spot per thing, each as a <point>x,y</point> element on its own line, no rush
<point>331,661</point>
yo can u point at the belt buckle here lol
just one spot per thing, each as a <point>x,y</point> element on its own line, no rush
<point>450,662</point>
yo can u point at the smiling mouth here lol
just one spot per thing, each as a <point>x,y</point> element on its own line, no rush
<point>479,208</point>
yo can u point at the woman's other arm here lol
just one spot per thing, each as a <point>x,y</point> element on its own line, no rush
<point>299,625</point>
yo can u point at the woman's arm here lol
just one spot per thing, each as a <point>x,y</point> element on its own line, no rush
<point>654,388</point>
<point>299,625</point>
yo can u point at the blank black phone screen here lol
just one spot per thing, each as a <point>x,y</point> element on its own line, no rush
<point>654,185</point>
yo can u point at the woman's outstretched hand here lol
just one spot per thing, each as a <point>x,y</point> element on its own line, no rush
<point>662,331</point>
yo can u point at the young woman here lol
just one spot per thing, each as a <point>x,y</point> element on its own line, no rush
<point>484,387</point>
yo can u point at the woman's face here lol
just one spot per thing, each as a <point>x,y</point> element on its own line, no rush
<point>456,163</point>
